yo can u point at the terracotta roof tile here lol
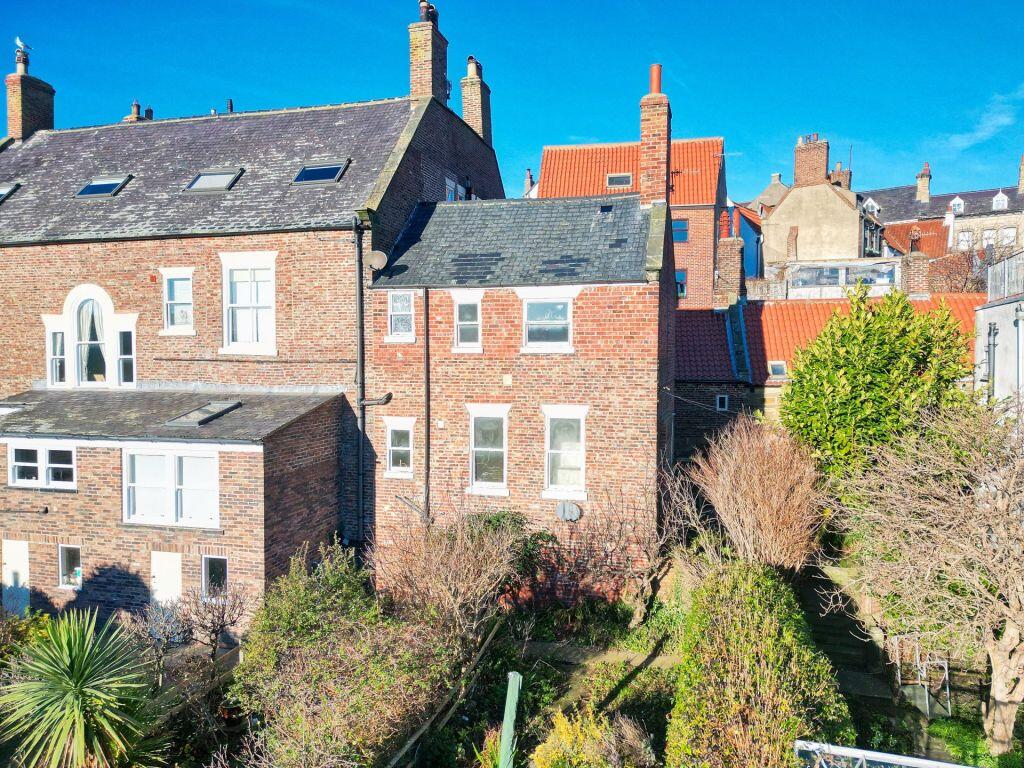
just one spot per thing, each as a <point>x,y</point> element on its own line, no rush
<point>574,171</point>
<point>933,236</point>
<point>702,351</point>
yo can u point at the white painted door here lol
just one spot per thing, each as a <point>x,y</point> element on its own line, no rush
<point>15,575</point>
<point>165,576</point>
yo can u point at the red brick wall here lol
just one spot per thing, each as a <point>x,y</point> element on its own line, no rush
<point>697,419</point>
<point>116,555</point>
<point>697,255</point>
<point>29,105</point>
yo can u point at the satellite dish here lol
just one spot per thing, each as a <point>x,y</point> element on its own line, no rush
<point>377,260</point>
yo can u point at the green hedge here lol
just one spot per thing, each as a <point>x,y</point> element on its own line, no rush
<point>751,680</point>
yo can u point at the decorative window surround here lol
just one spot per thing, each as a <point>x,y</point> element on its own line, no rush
<point>399,424</point>
<point>485,487</point>
<point>462,297</point>
<point>49,460</point>
<point>577,491</point>
<point>171,302</point>
<point>162,487</point>
<point>111,326</point>
<point>252,261</point>
<point>398,313</point>
<point>548,293</point>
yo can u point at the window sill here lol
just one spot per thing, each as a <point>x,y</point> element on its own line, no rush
<point>44,488</point>
<point>487,490</point>
<point>399,339</point>
<point>67,588</point>
<point>183,331</point>
<point>394,475</point>
<point>564,494</point>
<point>249,351</point>
<point>170,528</point>
<point>554,349</point>
<point>468,350</point>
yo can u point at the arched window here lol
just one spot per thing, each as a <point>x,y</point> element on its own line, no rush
<point>92,363</point>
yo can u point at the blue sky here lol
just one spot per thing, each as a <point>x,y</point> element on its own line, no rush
<point>900,82</point>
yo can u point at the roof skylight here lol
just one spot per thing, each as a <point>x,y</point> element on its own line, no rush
<point>219,180</point>
<point>327,173</point>
<point>103,186</point>
<point>6,190</point>
<point>204,414</point>
<point>619,179</point>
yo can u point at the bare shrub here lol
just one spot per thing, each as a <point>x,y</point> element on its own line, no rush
<point>765,492</point>
<point>209,617</point>
<point>160,628</point>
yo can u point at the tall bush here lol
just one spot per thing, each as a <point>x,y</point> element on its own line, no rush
<point>869,375</point>
<point>751,680</point>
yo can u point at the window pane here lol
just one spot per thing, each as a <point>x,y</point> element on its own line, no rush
<point>240,325</point>
<point>212,181</point>
<point>61,457</point>
<point>127,372</point>
<point>401,458</point>
<point>264,296</point>
<point>401,302</point>
<point>148,470</point>
<point>70,567</point>
<point>547,334</point>
<point>148,502</point>
<point>469,334</point>
<point>60,475</point>
<point>400,438</point>
<point>488,432</point>
<point>59,370</point>
<point>564,469</point>
<point>264,318</point>
<point>238,286</point>
<point>26,472</point>
<point>401,325</point>
<point>197,471</point>
<point>565,434</point>
<point>198,506</point>
<point>126,342</point>
<point>26,456</point>
<point>547,311</point>
<point>323,173</point>
<point>57,344</point>
<point>468,313</point>
<point>488,467</point>
<point>179,314</point>
<point>179,289</point>
<point>216,576</point>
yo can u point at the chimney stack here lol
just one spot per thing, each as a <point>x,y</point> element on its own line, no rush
<point>231,106</point>
<point>810,161</point>
<point>476,100</point>
<point>29,101</point>
<point>841,177</point>
<point>528,183</point>
<point>428,56</point>
<point>730,284</point>
<point>148,113</point>
<point>914,271</point>
<point>135,115</point>
<point>924,183</point>
<point>655,142</point>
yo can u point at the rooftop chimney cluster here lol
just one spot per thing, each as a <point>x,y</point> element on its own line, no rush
<point>29,101</point>
<point>136,115</point>
<point>810,161</point>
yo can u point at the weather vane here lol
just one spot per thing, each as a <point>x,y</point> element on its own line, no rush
<point>20,46</point>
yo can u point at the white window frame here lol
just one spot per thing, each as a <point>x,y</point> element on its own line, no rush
<point>772,374</point>
<point>42,449</point>
<point>545,294</point>
<point>67,323</point>
<point>965,239</point>
<point>203,575</point>
<point>177,273</point>
<point>565,492</point>
<point>488,410</point>
<point>60,567</point>
<point>399,423</point>
<point>721,403</point>
<point>52,357</point>
<point>988,237</point>
<point>956,205</point>
<point>247,260</point>
<point>173,516</point>
<point>1004,240</point>
<point>1000,202</point>
<point>608,179</point>
<point>401,338</point>
<point>461,296</point>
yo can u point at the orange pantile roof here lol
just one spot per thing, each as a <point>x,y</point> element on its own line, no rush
<point>581,170</point>
<point>934,236</point>
<point>777,329</point>
<point>749,215</point>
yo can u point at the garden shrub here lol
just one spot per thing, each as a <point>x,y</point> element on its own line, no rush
<point>588,739</point>
<point>965,741</point>
<point>751,680</point>
<point>15,631</point>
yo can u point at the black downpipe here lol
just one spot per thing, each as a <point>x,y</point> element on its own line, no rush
<point>426,406</point>
<point>360,390</point>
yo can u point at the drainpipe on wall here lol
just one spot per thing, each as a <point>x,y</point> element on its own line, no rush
<point>427,517</point>
<point>993,331</point>
<point>360,388</point>
<point>1018,320</point>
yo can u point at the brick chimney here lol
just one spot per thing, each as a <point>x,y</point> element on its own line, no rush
<point>528,182</point>
<point>655,141</point>
<point>841,177</point>
<point>476,100</point>
<point>914,269</point>
<point>810,161</point>
<point>1020,176</point>
<point>729,279</point>
<point>428,56</point>
<point>924,183</point>
<point>29,101</point>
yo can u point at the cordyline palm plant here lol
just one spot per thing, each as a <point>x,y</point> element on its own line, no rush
<point>81,698</point>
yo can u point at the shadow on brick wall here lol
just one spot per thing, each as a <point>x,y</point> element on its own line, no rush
<point>106,589</point>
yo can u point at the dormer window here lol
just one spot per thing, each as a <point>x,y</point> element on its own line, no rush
<point>871,206</point>
<point>619,180</point>
<point>214,181</point>
<point>104,186</point>
<point>957,206</point>
<point>6,190</point>
<point>1000,202</point>
<point>328,173</point>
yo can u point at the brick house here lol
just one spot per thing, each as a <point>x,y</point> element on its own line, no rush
<point>697,196</point>
<point>184,396</point>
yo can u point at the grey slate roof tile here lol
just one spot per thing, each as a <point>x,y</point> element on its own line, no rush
<point>143,415</point>
<point>556,241</point>
<point>900,203</point>
<point>163,156</point>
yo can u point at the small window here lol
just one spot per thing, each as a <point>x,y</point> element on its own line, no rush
<point>58,368</point>
<point>721,403</point>
<point>60,468</point>
<point>215,576</point>
<point>619,180</point>
<point>988,237</point>
<point>103,186</point>
<point>680,283</point>
<point>548,324</point>
<point>1008,236</point>
<point>6,190</point>
<point>126,357</point>
<point>178,302</point>
<point>399,447</point>
<point>327,173</point>
<point>454,191</point>
<point>776,369</point>
<point>467,325</point>
<point>42,467</point>
<point>957,205</point>
<point>965,239</point>
<point>681,231</point>
<point>214,181</point>
<point>25,468</point>
<point>400,316</point>
<point>1000,202</point>
<point>487,448</point>
<point>70,566</point>
<point>250,307</point>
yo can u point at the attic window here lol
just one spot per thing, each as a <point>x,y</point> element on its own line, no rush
<point>777,369</point>
<point>6,190</point>
<point>214,181</point>
<point>321,174</point>
<point>871,206</point>
<point>957,206</point>
<point>999,202</point>
<point>103,186</point>
<point>204,414</point>
<point>619,180</point>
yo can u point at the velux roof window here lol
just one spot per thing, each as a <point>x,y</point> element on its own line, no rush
<point>220,180</point>
<point>204,414</point>
<point>103,186</point>
<point>6,190</point>
<point>327,173</point>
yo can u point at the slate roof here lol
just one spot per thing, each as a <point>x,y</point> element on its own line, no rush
<point>702,351</point>
<point>143,415</point>
<point>163,156</point>
<point>565,241</point>
<point>900,203</point>
<point>575,170</point>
